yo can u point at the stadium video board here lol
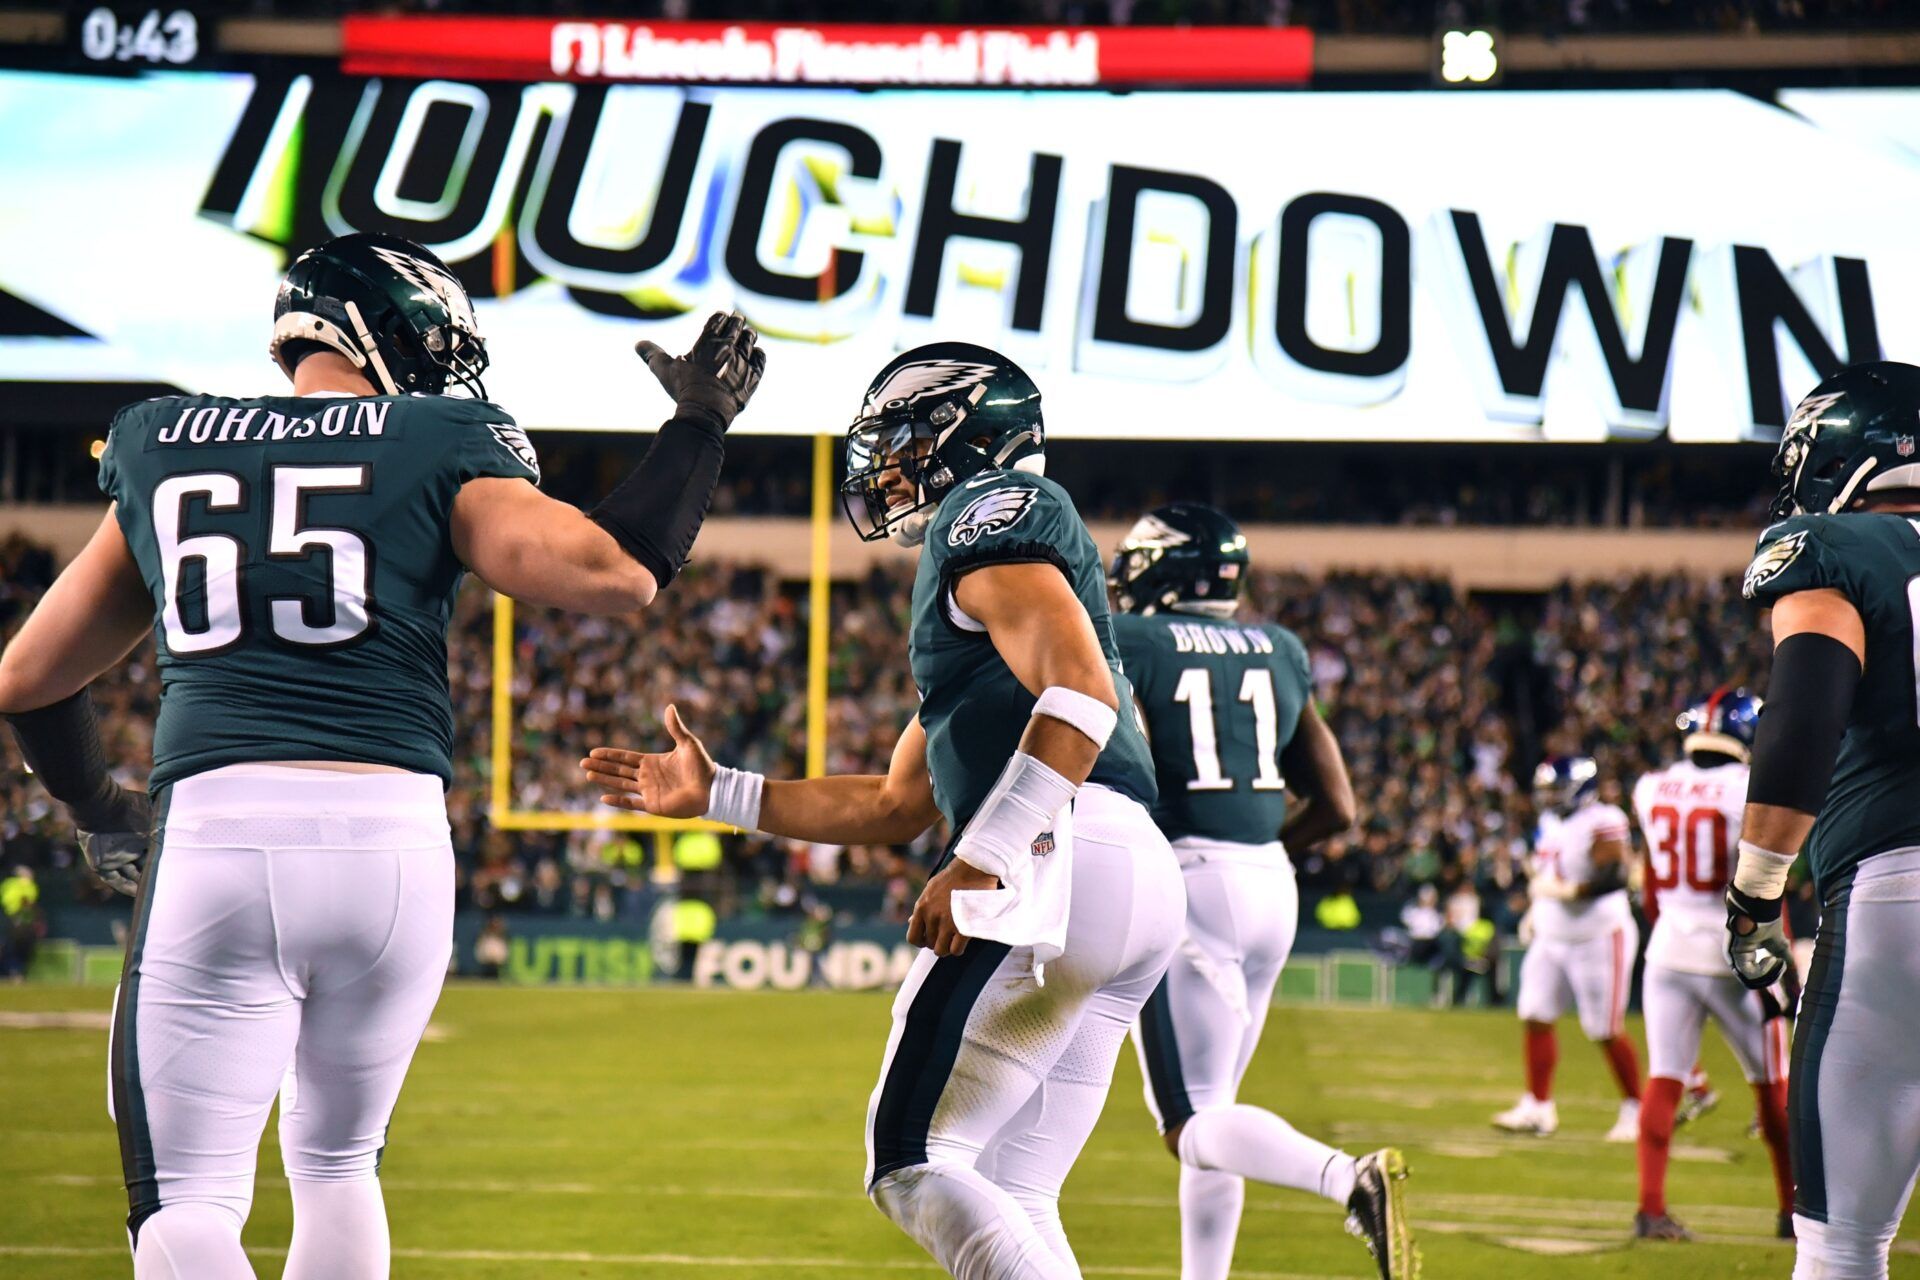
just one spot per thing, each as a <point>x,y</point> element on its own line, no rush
<point>1355,267</point>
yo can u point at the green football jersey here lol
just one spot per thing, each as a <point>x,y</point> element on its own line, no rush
<point>1873,804</point>
<point>302,573</point>
<point>972,707</point>
<point>1222,701</point>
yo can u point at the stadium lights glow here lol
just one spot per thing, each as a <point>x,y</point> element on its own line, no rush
<point>1468,57</point>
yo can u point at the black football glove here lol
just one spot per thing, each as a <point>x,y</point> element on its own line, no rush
<point>117,850</point>
<point>718,376</point>
<point>1756,939</point>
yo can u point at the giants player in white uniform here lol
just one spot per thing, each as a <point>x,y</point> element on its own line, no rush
<point>1583,942</point>
<point>1690,814</point>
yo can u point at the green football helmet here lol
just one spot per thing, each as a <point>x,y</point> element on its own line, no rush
<point>389,306</point>
<point>1853,434</point>
<point>1186,558</point>
<point>935,417</point>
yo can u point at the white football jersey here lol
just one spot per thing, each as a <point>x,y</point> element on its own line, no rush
<point>1564,846</point>
<point>1691,819</point>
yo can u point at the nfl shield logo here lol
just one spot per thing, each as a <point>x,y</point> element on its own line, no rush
<point>1903,445</point>
<point>1043,844</point>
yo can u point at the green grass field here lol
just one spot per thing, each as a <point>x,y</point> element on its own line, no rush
<point>686,1134</point>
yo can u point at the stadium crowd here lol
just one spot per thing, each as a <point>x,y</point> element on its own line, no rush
<point>1441,702</point>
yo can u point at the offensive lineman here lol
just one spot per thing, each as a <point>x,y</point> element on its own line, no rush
<point>1690,815</point>
<point>1052,918</point>
<point>1841,742</point>
<point>1584,940</point>
<point>298,556</point>
<point>1230,716</point>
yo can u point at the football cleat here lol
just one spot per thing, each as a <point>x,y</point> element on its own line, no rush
<point>1695,1103</point>
<point>1377,1214</point>
<point>1659,1226</point>
<point>1626,1126</point>
<point>1529,1115</point>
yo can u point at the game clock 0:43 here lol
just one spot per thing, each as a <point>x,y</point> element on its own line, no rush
<point>169,37</point>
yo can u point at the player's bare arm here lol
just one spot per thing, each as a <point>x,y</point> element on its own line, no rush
<point>1819,656</point>
<point>542,551</point>
<point>889,808</point>
<point>1041,630</point>
<point>613,560</point>
<point>1316,772</point>
<point>95,612</point>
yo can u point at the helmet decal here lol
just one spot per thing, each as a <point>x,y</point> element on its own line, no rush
<point>1151,531</point>
<point>990,513</point>
<point>911,383</point>
<point>440,284</point>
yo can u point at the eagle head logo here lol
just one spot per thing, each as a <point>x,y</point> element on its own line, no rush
<point>912,383</point>
<point>1773,561</point>
<point>992,511</point>
<point>515,441</point>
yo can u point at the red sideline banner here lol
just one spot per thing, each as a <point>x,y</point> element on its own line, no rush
<point>665,52</point>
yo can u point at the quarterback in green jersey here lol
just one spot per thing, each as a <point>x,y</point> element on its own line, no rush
<point>1228,705</point>
<point>1053,917</point>
<point>1836,778</point>
<point>297,557</point>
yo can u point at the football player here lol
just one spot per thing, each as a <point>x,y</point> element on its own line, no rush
<point>1583,942</point>
<point>1689,813</point>
<point>1836,774</point>
<point>1051,918</point>
<point>1230,717</point>
<point>297,556</point>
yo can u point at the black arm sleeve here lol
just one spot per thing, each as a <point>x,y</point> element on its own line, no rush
<point>1808,699</point>
<point>655,513</point>
<point>61,744</point>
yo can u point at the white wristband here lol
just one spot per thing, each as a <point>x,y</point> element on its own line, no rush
<point>1023,803</point>
<point>735,798</point>
<point>1087,714</point>
<point>1762,873</point>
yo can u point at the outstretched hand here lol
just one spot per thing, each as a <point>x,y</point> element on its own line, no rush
<point>670,784</point>
<point>718,376</point>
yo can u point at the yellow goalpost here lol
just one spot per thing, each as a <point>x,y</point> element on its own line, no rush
<point>501,809</point>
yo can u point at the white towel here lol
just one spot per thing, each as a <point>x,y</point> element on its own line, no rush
<point>1030,907</point>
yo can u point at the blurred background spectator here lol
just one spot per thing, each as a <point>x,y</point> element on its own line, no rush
<point>1441,701</point>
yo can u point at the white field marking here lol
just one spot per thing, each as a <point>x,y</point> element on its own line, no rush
<point>1550,1247</point>
<point>1493,1096</point>
<point>1467,1205</point>
<point>1621,1235</point>
<point>630,1260</point>
<point>1465,1150</point>
<point>57,1020</point>
<point>1373,1132</point>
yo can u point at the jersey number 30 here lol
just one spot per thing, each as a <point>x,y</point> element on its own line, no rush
<point>1256,688</point>
<point>1704,833</point>
<point>340,619</point>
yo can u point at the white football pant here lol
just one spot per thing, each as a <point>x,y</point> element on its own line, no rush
<point>290,939</point>
<point>992,1082</point>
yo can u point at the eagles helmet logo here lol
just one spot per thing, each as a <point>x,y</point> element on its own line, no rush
<point>990,513</point>
<point>1773,561</point>
<point>1151,531</point>
<point>514,440</point>
<point>914,382</point>
<point>439,284</point>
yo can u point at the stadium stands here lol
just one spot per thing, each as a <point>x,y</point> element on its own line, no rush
<point>1438,699</point>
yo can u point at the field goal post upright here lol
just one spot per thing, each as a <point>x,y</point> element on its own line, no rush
<point>501,811</point>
